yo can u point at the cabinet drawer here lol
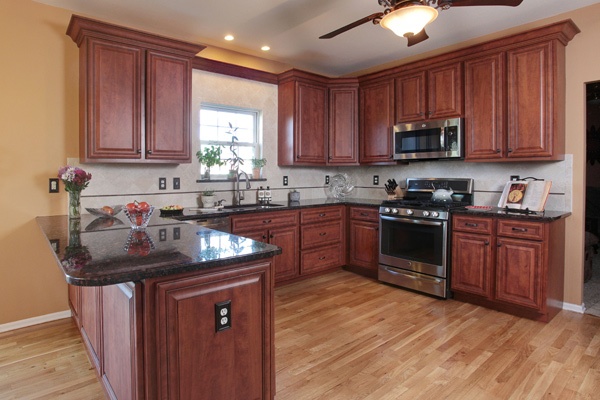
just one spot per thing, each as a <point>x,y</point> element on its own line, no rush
<point>465,223</point>
<point>320,259</point>
<point>364,213</point>
<point>521,229</point>
<point>321,214</point>
<point>263,220</point>
<point>321,234</point>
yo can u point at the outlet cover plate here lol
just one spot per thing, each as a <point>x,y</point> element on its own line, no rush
<point>162,183</point>
<point>222,315</point>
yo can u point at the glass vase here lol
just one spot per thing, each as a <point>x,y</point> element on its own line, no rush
<point>75,205</point>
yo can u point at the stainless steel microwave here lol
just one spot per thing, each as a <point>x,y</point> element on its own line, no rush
<point>435,139</point>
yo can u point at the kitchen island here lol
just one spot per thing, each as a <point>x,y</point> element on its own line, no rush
<point>175,311</point>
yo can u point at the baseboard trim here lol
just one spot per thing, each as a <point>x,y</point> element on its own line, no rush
<point>578,308</point>
<point>34,321</point>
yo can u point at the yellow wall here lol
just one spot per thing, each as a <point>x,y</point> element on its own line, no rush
<point>39,122</point>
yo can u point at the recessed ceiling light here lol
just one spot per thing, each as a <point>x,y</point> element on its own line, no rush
<point>265,48</point>
<point>229,37</point>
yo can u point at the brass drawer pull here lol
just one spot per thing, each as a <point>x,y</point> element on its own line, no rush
<point>322,258</point>
<point>322,233</point>
<point>519,229</point>
<point>322,215</point>
<point>471,224</point>
<point>266,221</point>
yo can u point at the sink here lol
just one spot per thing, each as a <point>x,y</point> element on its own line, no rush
<point>255,206</point>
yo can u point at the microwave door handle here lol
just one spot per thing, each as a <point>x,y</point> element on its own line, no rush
<point>442,136</point>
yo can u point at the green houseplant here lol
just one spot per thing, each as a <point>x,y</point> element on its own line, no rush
<point>235,160</point>
<point>208,198</point>
<point>257,165</point>
<point>210,157</point>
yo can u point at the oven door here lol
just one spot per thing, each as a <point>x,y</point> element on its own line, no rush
<point>413,244</point>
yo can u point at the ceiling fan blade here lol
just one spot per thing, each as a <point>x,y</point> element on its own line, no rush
<point>352,25</point>
<point>417,38</point>
<point>467,3</point>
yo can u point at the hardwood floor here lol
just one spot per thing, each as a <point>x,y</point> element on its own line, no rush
<point>344,337</point>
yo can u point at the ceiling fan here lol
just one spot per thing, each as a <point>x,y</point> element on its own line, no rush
<point>408,17</point>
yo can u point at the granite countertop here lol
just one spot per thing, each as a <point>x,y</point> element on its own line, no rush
<point>195,213</point>
<point>99,251</point>
<point>545,216</point>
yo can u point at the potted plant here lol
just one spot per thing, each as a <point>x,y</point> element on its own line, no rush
<point>257,165</point>
<point>235,160</point>
<point>209,157</point>
<point>208,198</point>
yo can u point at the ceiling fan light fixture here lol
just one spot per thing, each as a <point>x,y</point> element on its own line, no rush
<point>409,20</point>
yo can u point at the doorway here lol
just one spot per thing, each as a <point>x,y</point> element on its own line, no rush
<point>591,273</point>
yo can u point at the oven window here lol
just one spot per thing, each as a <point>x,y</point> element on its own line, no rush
<point>412,241</point>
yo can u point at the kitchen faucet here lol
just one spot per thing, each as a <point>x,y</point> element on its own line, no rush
<point>238,194</point>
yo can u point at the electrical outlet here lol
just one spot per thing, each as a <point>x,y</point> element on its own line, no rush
<point>515,177</point>
<point>222,315</point>
<point>375,179</point>
<point>162,183</point>
<point>176,183</point>
<point>53,185</point>
<point>285,180</point>
<point>327,179</point>
<point>162,234</point>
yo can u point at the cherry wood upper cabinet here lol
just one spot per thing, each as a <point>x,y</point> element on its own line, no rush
<point>434,92</point>
<point>318,120</point>
<point>135,94</point>
<point>485,108</point>
<point>376,121</point>
<point>343,123</point>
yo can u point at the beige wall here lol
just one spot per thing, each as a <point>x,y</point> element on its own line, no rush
<point>38,124</point>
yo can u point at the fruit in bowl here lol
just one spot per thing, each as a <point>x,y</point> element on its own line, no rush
<point>105,212</point>
<point>139,214</point>
<point>171,210</point>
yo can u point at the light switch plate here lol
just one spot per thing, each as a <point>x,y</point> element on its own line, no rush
<point>53,185</point>
<point>176,183</point>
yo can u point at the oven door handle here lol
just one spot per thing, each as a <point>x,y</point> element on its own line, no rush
<point>413,221</point>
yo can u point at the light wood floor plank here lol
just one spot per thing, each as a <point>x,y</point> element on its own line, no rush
<point>344,337</point>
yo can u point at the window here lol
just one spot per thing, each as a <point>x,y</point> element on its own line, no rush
<point>215,130</point>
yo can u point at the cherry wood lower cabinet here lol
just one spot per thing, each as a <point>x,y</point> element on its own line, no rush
<point>363,240</point>
<point>512,265</point>
<point>322,237</point>
<point>162,338</point>
<point>279,228</point>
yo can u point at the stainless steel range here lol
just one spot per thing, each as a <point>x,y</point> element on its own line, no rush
<point>414,232</point>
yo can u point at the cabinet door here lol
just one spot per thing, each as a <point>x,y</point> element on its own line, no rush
<point>75,303</point>
<point>286,264</point>
<point>310,133</point>
<point>376,110</point>
<point>484,108</point>
<point>196,359</point>
<point>472,264</point>
<point>121,335</point>
<point>168,100</point>
<point>91,323</point>
<point>411,102</point>
<point>364,244</point>
<point>445,91</point>
<point>519,273</point>
<point>530,101</point>
<point>111,88</point>
<point>343,126</point>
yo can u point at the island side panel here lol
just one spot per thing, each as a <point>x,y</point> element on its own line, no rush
<point>187,357</point>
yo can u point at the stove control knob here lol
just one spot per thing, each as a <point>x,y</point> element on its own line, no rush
<point>409,212</point>
<point>435,214</point>
<point>394,211</point>
<point>426,213</point>
<point>387,210</point>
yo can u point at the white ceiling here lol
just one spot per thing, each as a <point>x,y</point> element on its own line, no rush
<point>292,27</point>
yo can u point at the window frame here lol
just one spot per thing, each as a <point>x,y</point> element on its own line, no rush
<point>256,145</point>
